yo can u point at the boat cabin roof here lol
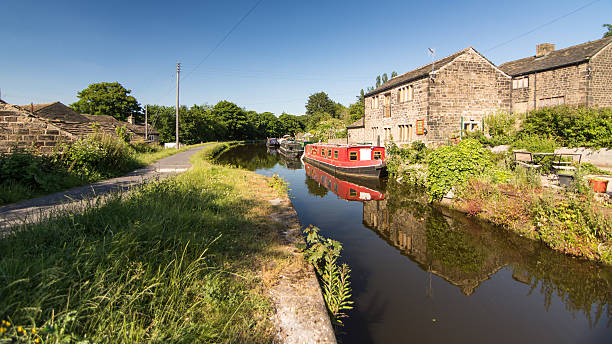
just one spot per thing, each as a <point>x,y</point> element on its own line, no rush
<point>335,145</point>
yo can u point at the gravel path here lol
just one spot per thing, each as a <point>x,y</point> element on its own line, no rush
<point>34,209</point>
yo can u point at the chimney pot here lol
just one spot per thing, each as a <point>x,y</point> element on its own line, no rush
<point>544,49</point>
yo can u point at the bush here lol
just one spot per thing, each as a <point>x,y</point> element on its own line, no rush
<point>572,126</point>
<point>97,156</point>
<point>398,156</point>
<point>535,143</point>
<point>450,166</point>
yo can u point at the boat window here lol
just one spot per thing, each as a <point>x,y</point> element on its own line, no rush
<point>377,155</point>
<point>329,151</point>
<point>322,151</point>
<point>335,154</point>
<point>353,156</point>
<point>352,193</point>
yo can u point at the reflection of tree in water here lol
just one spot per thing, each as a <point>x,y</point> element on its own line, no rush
<point>466,253</point>
<point>452,248</point>
<point>250,157</point>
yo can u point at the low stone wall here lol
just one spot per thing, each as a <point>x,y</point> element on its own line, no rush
<point>599,157</point>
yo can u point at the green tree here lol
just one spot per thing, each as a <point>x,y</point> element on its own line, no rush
<point>235,119</point>
<point>265,125</point>
<point>609,32</point>
<point>393,74</point>
<point>291,124</point>
<point>320,103</point>
<point>385,78</point>
<point>378,81</point>
<point>108,98</point>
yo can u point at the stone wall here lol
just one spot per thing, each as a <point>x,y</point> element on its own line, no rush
<point>470,87</point>
<point>19,129</point>
<point>356,135</point>
<point>566,85</point>
<point>600,87</point>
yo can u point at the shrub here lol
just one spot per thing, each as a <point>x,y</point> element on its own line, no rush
<point>535,143</point>
<point>572,126</point>
<point>97,156</point>
<point>451,166</point>
<point>397,156</point>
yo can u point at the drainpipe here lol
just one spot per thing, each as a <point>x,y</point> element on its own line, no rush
<point>461,129</point>
<point>588,82</point>
<point>535,90</point>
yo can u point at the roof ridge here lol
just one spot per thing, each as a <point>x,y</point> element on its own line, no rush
<point>427,64</point>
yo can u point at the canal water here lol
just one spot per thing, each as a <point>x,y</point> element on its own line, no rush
<point>423,274</point>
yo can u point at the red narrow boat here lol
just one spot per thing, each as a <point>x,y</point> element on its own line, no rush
<point>363,161</point>
<point>342,188</point>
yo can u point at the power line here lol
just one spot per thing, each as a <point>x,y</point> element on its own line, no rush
<point>224,38</point>
<point>541,26</point>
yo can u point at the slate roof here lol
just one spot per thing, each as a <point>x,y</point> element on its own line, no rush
<point>106,124</point>
<point>416,73</point>
<point>357,124</point>
<point>62,117</point>
<point>555,59</point>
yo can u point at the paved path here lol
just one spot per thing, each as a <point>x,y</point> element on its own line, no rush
<point>32,210</point>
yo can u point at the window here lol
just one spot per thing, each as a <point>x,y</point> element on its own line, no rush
<point>375,101</point>
<point>329,152</point>
<point>404,132</point>
<point>322,151</point>
<point>374,131</point>
<point>387,109</point>
<point>420,127</point>
<point>387,134</point>
<point>314,151</point>
<point>352,192</point>
<point>520,83</point>
<point>377,155</point>
<point>335,154</point>
<point>470,126</point>
<point>406,93</point>
<point>553,101</point>
<point>353,156</point>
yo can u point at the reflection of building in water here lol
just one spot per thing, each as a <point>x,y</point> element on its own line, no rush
<point>429,238</point>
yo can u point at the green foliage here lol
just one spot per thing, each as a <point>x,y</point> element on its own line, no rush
<point>323,254</point>
<point>235,119</point>
<point>609,32</point>
<point>329,129</point>
<point>279,184</point>
<point>96,156</point>
<point>397,158</point>
<point>108,98</point>
<point>123,134</point>
<point>574,227</point>
<point>571,126</point>
<point>535,143</point>
<point>320,103</point>
<point>452,166</point>
<point>164,264</point>
<point>291,124</point>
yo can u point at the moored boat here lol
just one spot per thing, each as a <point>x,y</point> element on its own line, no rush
<point>272,142</point>
<point>363,161</point>
<point>291,149</point>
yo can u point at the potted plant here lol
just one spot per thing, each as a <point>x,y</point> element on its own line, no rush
<point>599,185</point>
<point>566,179</point>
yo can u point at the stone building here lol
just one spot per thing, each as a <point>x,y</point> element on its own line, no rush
<point>21,128</point>
<point>43,126</point>
<point>578,75</point>
<point>356,132</point>
<point>436,102</point>
<point>433,102</point>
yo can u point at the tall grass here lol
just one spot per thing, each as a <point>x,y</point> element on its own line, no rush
<point>176,261</point>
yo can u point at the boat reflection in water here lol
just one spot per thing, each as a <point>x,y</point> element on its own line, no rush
<point>345,188</point>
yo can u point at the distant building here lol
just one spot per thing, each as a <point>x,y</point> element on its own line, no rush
<point>44,126</point>
<point>578,75</point>
<point>438,101</point>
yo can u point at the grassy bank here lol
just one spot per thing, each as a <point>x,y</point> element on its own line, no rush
<point>488,186</point>
<point>25,175</point>
<point>176,261</point>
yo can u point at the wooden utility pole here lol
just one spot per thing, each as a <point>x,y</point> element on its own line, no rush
<point>178,70</point>
<point>146,123</point>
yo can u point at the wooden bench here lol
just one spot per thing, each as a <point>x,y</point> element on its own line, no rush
<point>559,164</point>
<point>525,159</point>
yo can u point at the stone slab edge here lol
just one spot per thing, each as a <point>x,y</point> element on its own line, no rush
<point>301,315</point>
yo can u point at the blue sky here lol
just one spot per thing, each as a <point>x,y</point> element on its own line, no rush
<point>279,55</point>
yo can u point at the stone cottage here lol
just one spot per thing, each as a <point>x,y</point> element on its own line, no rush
<point>433,102</point>
<point>578,75</point>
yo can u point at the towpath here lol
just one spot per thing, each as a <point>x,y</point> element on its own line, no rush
<point>34,209</point>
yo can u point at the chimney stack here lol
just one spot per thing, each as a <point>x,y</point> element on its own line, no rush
<point>544,49</point>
